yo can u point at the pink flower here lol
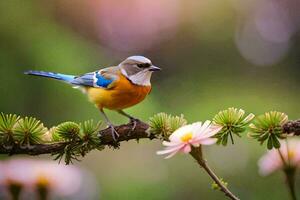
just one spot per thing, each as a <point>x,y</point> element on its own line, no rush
<point>190,135</point>
<point>60,180</point>
<point>272,160</point>
<point>134,25</point>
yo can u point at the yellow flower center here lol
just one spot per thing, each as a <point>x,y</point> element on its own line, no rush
<point>186,137</point>
<point>291,154</point>
<point>42,181</point>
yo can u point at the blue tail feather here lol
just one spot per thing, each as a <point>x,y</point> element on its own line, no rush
<point>61,77</point>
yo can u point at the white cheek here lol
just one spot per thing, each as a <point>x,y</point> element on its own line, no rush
<point>123,71</point>
<point>141,78</point>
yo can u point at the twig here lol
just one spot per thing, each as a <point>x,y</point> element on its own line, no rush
<point>290,180</point>
<point>198,156</point>
<point>289,172</point>
<point>125,131</point>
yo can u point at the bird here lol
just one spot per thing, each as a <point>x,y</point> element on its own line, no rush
<point>115,88</point>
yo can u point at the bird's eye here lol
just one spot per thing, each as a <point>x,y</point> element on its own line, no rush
<point>144,65</point>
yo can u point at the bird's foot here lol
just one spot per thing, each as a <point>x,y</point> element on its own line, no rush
<point>8,147</point>
<point>26,146</point>
<point>114,133</point>
<point>134,121</point>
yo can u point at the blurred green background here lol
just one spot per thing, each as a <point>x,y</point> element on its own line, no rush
<point>214,55</point>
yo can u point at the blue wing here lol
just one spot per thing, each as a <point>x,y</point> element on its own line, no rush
<point>103,78</point>
<point>93,79</point>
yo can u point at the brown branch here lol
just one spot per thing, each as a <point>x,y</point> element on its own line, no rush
<point>125,131</point>
<point>292,127</point>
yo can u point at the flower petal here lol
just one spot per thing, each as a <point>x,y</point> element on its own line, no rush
<point>175,137</point>
<point>202,129</point>
<point>213,130</point>
<point>171,154</point>
<point>186,149</point>
<point>170,144</point>
<point>170,149</point>
<point>208,141</point>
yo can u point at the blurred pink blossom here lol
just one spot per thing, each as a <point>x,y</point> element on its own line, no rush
<point>272,160</point>
<point>60,180</point>
<point>273,21</point>
<point>134,25</point>
<point>256,48</point>
<point>265,30</point>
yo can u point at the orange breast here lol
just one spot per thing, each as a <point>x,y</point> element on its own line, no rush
<point>122,95</point>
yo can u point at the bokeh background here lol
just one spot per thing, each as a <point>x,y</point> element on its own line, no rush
<point>214,54</point>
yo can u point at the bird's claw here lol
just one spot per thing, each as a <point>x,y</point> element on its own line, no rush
<point>134,121</point>
<point>114,133</point>
<point>26,146</point>
<point>7,147</point>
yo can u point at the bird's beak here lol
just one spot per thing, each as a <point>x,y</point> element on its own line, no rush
<point>154,68</point>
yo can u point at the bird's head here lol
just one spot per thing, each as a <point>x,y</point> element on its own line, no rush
<point>138,69</point>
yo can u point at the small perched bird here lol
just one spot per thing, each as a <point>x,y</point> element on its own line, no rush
<point>114,88</point>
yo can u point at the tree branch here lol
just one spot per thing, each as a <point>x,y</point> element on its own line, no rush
<point>292,126</point>
<point>125,131</point>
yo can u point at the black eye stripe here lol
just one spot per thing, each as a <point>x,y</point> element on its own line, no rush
<point>144,65</point>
